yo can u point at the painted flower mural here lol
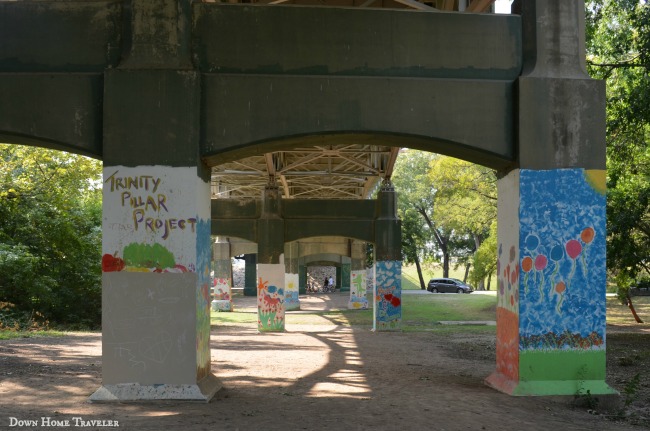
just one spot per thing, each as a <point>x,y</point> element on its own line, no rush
<point>270,307</point>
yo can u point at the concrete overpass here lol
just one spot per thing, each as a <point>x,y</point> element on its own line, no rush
<point>180,98</point>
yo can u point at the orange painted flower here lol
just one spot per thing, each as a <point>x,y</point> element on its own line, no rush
<point>560,287</point>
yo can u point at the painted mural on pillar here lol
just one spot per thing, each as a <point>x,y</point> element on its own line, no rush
<point>562,248</point>
<point>551,280</point>
<point>270,297</point>
<point>358,298</point>
<point>291,293</point>
<point>222,285</point>
<point>155,221</point>
<point>388,295</point>
<point>204,256</point>
<point>221,294</point>
<point>151,215</point>
<point>508,311</point>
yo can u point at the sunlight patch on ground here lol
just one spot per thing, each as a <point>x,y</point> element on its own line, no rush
<point>338,389</point>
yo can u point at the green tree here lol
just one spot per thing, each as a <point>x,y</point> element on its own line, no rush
<point>618,51</point>
<point>484,260</point>
<point>466,201</point>
<point>50,236</point>
<point>415,204</point>
<point>444,203</point>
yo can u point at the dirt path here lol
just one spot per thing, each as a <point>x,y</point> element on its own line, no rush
<point>319,377</point>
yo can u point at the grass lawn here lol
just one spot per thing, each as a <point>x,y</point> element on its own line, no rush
<point>8,335</point>
<point>419,313</point>
<point>424,312</point>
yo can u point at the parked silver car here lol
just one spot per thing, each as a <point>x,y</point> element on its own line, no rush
<point>448,285</point>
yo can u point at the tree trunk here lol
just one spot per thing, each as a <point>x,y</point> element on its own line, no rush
<point>631,306</point>
<point>489,281</point>
<point>442,241</point>
<point>477,243</point>
<point>445,264</point>
<point>417,265</point>
<point>467,267</point>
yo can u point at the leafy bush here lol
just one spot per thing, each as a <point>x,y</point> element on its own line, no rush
<point>12,319</point>
<point>50,237</point>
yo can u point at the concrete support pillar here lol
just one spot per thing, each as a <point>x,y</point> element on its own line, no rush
<point>358,297</point>
<point>344,278</point>
<point>250,275</point>
<point>551,217</point>
<point>337,277</point>
<point>302,274</point>
<point>156,240</point>
<point>222,277</point>
<point>551,297</point>
<point>270,267</point>
<point>270,297</point>
<point>387,310</point>
<point>291,277</point>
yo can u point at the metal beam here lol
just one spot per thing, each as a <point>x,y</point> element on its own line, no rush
<point>394,152</point>
<point>285,186</point>
<point>367,3</point>
<point>270,166</point>
<point>417,5</point>
<point>448,4</point>
<point>479,5</point>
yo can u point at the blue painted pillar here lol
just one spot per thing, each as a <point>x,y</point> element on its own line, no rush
<point>551,217</point>
<point>552,280</point>
<point>291,277</point>
<point>387,310</point>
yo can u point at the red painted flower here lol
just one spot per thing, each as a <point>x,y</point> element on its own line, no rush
<point>111,263</point>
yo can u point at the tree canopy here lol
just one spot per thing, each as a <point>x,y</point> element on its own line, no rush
<point>618,51</point>
<point>447,206</point>
<point>50,235</point>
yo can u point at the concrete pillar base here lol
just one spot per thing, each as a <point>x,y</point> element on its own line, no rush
<point>202,391</point>
<point>222,305</point>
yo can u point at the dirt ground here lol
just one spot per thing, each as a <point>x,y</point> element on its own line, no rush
<point>321,377</point>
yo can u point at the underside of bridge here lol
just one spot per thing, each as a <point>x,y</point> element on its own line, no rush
<point>276,121</point>
<point>348,170</point>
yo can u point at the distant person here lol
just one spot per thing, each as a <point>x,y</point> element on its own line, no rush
<point>326,284</point>
<point>331,283</point>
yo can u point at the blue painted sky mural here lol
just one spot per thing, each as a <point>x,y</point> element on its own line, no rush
<point>562,258</point>
<point>388,301</point>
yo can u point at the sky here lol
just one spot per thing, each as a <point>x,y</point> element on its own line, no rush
<point>502,6</point>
